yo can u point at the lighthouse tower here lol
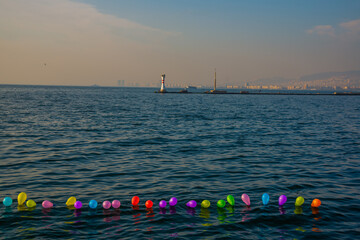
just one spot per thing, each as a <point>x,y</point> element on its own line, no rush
<point>162,89</point>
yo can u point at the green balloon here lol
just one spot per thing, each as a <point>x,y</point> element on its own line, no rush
<point>205,204</point>
<point>299,201</point>
<point>230,199</point>
<point>221,203</point>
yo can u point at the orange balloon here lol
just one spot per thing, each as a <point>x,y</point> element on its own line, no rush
<point>149,204</point>
<point>316,203</point>
<point>135,200</point>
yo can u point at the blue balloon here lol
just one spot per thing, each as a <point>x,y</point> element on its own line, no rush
<point>265,198</point>
<point>93,204</point>
<point>7,201</point>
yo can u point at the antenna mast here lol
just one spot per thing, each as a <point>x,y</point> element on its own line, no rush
<point>215,80</point>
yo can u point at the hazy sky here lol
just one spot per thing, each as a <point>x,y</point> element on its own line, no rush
<point>85,42</point>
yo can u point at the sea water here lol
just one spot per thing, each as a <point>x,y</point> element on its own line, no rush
<point>114,143</point>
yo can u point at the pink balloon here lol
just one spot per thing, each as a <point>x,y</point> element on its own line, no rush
<point>245,199</point>
<point>282,200</point>
<point>116,204</point>
<point>106,204</point>
<point>47,204</point>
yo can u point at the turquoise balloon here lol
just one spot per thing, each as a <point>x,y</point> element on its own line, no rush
<point>265,198</point>
<point>93,204</point>
<point>7,201</point>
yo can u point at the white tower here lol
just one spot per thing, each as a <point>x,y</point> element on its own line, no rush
<point>162,89</point>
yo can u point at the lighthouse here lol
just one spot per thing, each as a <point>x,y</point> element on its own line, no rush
<point>162,89</point>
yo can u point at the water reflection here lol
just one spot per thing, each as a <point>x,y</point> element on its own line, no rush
<point>46,212</point>
<point>77,212</point>
<point>21,208</point>
<point>230,209</point>
<point>245,212</point>
<point>106,213</point>
<point>315,211</point>
<point>204,213</point>
<point>172,210</point>
<point>191,211</point>
<point>282,210</point>
<point>150,213</point>
<point>298,210</point>
<point>221,215</point>
<point>137,218</point>
<point>162,211</point>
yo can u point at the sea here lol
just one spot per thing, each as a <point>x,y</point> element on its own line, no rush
<point>112,143</point>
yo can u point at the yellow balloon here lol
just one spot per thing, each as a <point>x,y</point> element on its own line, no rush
<point>299,201</point>
<point>31,204</point>
<point>21,198</point>
<point>205,204</point>
<point>71,201</point>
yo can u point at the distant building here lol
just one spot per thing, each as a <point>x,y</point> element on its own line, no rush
<point>121,83</point>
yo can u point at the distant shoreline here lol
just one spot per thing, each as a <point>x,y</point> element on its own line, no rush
<point>205,91</point>
<point>267,93</point>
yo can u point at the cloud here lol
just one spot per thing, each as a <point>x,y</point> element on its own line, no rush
<point>322,30</point>
<point>351,29</point>
<point>353,25</point>
<point>347,30</point>
<point>67,19</point>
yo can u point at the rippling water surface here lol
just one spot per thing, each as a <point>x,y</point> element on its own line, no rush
<point>115,143</point>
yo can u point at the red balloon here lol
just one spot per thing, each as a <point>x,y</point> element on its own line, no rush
<point>149,204</point>
<point>135,200</point>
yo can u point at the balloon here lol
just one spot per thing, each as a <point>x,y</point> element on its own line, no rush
<point>230,199</point>
<point>205,204</point>
<point>221,203</point>
<point>106,204</point>
<point>135,200</point>
<point>77,204</point>
<point>31,203</point>
<point>282,200</point>
<point>21,198</point>
<point>71,201</point>
<point>93,204</point>
<point>116,204</point>
<point>162,204</point>
<point>7,201</point>
<point>265,198</point>
<point>299,201</point>
<point>245,199</point>
<point>316,203</point>
<point>173,201</point>
<point>47,204</point>
<point>149,204</point>
<point>191,203</point>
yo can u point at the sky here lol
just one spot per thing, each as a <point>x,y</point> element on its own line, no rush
<point>86,42</point>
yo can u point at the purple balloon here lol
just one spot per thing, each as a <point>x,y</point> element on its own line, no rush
<point>282,200</point>
<point>191,203</point>
<point>162,204</point>
<point>78,205</point>
<point>173,201</point>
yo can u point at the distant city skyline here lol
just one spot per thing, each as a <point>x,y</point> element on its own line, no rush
<point>132,42</point>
